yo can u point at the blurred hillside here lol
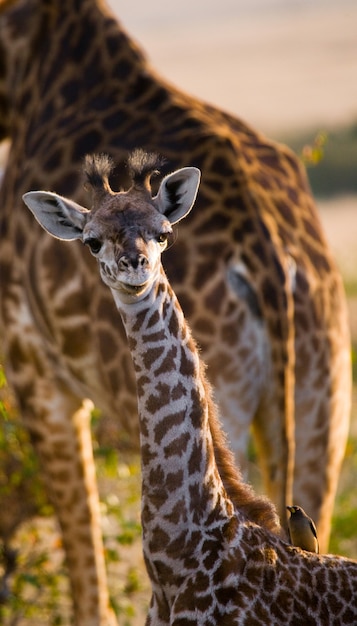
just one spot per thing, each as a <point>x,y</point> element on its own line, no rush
<point>282,66</point>
<point>335,171</point>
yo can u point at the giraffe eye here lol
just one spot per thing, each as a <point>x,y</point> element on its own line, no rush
<point>94,244</point>
<point>162,238</point>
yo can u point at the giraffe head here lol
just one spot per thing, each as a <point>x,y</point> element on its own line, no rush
<point>127,230</point>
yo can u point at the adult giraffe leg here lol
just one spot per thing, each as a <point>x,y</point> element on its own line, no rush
<point>263,395</point>
<point>323,404</point>
<point>59,425</point>
<point>266,428</point>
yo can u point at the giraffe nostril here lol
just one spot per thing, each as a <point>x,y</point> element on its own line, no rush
<point>123,263</point>
<point>139,261</point>
<point>143,260</point>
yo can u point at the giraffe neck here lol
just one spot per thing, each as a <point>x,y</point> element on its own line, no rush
<point>181,483</point>
<point>53,44</point>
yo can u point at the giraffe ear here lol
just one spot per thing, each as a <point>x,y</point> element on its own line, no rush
<point>60,217</point>
<point>177,193</point>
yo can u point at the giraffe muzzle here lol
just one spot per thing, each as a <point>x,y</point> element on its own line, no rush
<point>135,290</point>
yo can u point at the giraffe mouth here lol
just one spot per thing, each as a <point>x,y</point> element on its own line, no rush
<point>133,289</point>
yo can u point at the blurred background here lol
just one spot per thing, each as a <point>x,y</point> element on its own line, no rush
<point>282,65</point>
<point>288,68</point>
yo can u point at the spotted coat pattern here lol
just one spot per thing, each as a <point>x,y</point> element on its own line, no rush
<point>212,548</point>
<point>253,273</point>
<point>209,564</point>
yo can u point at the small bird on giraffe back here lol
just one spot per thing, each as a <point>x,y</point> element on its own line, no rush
<point>302,530</point>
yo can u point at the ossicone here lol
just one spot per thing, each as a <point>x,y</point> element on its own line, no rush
<point>142,165</point>
<point>97,169</point>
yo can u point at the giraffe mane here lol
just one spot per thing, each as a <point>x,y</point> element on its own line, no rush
<point>256,508</point>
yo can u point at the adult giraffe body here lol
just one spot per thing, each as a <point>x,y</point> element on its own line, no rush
<point>252,271</point>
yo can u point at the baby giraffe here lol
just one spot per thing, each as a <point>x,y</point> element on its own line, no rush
<point>212,547</point>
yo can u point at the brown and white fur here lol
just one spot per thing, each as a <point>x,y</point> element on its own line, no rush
<point>211,547</point>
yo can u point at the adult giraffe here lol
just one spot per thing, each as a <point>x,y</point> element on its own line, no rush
<point>252,271</point>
